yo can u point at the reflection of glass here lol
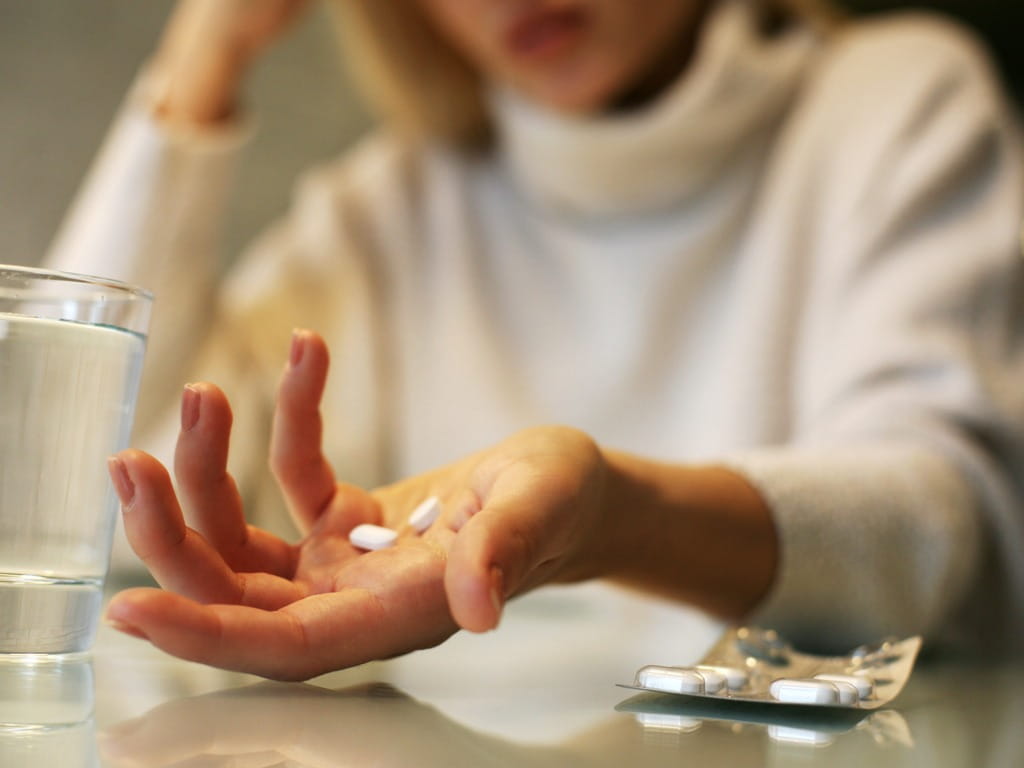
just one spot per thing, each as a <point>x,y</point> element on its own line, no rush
<point>46,707</point>
<point>70,358</point>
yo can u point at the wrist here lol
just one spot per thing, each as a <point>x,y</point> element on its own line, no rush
<point>629,514</point>
<point>700,534</point>
<point>200,62</point>
<point>202,91</point>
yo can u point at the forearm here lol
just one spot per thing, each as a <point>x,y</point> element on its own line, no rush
<point>196,70</point>
<point>206,51</point>
<point>700,534</point>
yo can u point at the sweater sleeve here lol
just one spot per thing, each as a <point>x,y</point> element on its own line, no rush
<point>897,501</point>
<point>150,212</point>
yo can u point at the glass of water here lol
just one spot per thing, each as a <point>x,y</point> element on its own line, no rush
<point>71,352</point>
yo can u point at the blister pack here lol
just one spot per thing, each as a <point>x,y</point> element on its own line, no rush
<point>756,665</point>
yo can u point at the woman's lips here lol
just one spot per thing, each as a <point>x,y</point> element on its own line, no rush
<point>545,34</point>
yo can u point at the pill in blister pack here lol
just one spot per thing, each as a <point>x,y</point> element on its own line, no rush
<point>797,691</point>
<point>756,665</point>
<point>862,682</point>
<point>735,679</point>
<point>671,680</point>
<point>690,680</point>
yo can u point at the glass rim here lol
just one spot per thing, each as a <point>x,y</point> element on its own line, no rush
<point>119,286</point>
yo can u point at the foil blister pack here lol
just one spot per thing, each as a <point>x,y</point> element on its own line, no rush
<point>751,664</point>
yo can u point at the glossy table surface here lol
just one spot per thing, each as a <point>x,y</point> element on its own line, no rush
<point>541,691</point>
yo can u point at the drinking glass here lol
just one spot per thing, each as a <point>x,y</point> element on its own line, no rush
<point>71,350</point>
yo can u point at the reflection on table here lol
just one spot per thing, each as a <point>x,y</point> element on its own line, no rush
<point>46,712</point>
<point>540,692</point>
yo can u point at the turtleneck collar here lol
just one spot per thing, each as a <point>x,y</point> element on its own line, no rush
<point>737,84</point>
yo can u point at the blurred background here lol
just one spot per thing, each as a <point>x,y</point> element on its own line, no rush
<point>66,64</point>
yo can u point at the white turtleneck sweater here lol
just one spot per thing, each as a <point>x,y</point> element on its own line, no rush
<point>801,261</point>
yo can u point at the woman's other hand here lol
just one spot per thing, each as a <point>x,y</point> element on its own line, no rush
<point>205,51</point>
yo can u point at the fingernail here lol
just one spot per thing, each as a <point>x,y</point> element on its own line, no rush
<point>497,593</point>
<point>190,400</point>
<point>122,482</point>
<point>298,347</point>
<point>123,626</point>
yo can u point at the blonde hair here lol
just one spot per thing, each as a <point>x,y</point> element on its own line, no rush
<point>421,86</point>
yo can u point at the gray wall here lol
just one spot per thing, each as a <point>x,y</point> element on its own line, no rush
<point>64,66</point>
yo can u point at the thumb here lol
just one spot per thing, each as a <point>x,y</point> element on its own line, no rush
<point>517,541</point>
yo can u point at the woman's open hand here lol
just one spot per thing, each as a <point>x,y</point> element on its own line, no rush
<point>525,512</point>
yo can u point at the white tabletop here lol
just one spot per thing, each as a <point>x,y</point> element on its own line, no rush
<point>539,691</point>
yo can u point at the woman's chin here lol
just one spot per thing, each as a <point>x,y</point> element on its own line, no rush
<point>568,94</point>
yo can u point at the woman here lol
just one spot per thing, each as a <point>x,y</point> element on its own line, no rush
<point>766,272</point>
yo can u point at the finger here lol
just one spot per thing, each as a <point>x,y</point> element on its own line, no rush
<point>296,459</point>
<point>350,505</point>
<point>274,644</point>
<point>457,512</point>
<point>209,494</point>
<point>511,545</point>
<point>233,637</point>
<point>180,559</point>
<point>320,633</point>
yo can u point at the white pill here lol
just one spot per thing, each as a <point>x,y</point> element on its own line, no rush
<point>865,685</point>
<point>366,536</point>
<point>425,514</point>
<point>847,693</point>
<point>791,691</point>
<point>714,681</point>
<point>670,680</point>
<point>735,678</point>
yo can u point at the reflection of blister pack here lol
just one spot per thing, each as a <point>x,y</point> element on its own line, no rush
<point>756,665</point>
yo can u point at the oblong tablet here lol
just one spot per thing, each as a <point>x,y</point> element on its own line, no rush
<point>714,681</point>
<point>367,536</point>
<point>848,695</point>
<point>865,685</point>
<point>735,678</point>
<point>793,691</point>
<point>425,514</point>
<point>670,680</point>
